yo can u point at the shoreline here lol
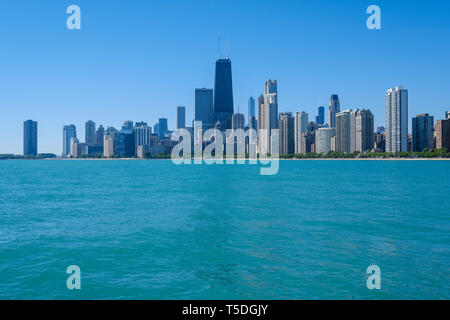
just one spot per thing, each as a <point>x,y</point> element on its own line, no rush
<point>263,159</point>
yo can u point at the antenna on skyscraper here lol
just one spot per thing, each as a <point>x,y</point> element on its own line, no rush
<point>218,46</point>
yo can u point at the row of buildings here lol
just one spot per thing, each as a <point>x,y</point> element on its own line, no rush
<point>346,131</point>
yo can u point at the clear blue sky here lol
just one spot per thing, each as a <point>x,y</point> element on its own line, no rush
<point>137,60</point>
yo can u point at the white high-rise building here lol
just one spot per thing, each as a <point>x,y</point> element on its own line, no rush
<point>269,115</point>
<point>300,127</point>
<point>323,139</point>
<point>397,120</point>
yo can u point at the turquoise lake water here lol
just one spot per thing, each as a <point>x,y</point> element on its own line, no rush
<point>154,230</point>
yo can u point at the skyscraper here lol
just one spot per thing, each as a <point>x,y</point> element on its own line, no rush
<point>252,123</point>
<point>108,143</point>
<point>238,121</point>
<point>397,120</point>
<point>334,108</point>
<point>69,132</point>
<point>143,135</point>
<point>443,133</point>
<point>422,130</point>
<point>261,115</point>
<point>100,136</point>
<point>181,117</point>
<point>30,138</point>
<point>251,109</point>
<point>320,119</point>
<point>223,93</point>
<point>286,133</point>
<point>162,127</point>
<point>269,114</point>
<point>323,139</point>
<point>343,129</point>
<point>300,127</point>
<point>204,107</point>
<point>90,138</point>
<point>364,129</point>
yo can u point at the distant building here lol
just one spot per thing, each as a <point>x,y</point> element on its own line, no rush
<point>181,117</point>
<point>143,136</point>
<point>443,133</point>
<point>379,142</point>
<point>251,109</point>
<point>128,125</point>
<point>334,109</point>
<point>69,132</point>
<point>286,133</point>
<point>320,119</point>
<point>269,116</point>
<point>100,133</point>
<point>364,127</point>
<point>238,121</point>
<point>308,142</point>
<point>162,128</point>
<point>74,142</point>
<point>397,120</point>
<point>30,138</point>
<point>204,107</point>
<point>90,137</point>
<point>108,143</point>
<point>300,127</point>
<point>343,129</point>
<point>323,139</point>
<point>423,132</point>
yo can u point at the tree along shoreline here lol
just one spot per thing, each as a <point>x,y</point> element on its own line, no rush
<point>426,154</point>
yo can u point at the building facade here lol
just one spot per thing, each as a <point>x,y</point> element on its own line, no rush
<point>300,127</point>
<point>69,132</point>
<point>30,138</point>
<point>422,132</point>
<point>334,109</point>
<point>364,131</point>
<point>443,133</point>
<point>223,93</point>
<point>343,131</point>
<point>204,107</point>
<point>323,139</point>
<point>320,119</point>
<point>397,120</point>
<point>181,117</point>
<point>251,109</point>
<point>90,137</point>
<point>287,140</point>
<point>238,121</point>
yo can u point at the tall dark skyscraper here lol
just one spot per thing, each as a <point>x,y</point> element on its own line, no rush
<point>30,142</point>
<point>422,130</point>
<point>320,119</point>
<point>162,128</point>
<point>204,107</point>
<point>335,108</point>
<point>251,108</point>
<point>90,137</point>
<point>181,117</point>
<point>223,93</point>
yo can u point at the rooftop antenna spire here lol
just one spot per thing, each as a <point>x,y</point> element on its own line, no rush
<point>218,46</point>
<point>228,52</point>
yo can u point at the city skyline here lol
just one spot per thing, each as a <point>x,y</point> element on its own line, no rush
<point>65,86</point>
